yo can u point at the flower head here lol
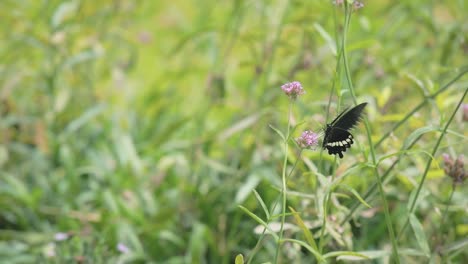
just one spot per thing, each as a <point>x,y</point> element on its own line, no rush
<point>465,112</point>
<point>293,89</point>
<point>60,236</point>
<point>122,248</point>
<point>358,5</point>
<point>308,139</point>
<point>455,168</point>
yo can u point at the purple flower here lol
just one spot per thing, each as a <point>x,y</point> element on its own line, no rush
<point>293,89</point>
<point>338,2</point>
<point>60,236</point>
<point>122,248</point>
<point>358,5</point>
<point>465,112</point>
<point>455,168</point>
<point>447,158</point>
<point>308,139</point>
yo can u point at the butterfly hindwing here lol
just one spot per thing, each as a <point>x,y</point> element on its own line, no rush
<point>337,136</point>
<point>337,141</point>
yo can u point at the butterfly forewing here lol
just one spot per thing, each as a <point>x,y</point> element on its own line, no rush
<point>337,136</point>
<point>348,119</point>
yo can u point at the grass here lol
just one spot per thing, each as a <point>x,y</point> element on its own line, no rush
<point>142,132</point>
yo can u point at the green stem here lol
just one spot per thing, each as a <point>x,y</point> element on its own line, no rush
<point>371,190</point>
<point>428,164</point>
<point>262,236</point>
<point>284,187</point>
<point>324,222</point>
<point>332,91</point>
<point>369,139</point>
<point>444,215</point>
<point>410,114</point>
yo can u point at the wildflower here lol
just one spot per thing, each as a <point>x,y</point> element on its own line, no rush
<point>293,89</point>
<point>122,248</point>
<point>61,236</point>
<point>308,139</point>
<point>358,5</point>
<point>49,250</point>
<point>455,168</point>
<point>465,112</point>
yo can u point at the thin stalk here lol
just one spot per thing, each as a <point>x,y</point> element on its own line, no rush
<point>372,189</point>
<point>444,215</point>
<point>420,105</point>
<point>369,139</point>
<point>428,164</point>
<point>284,187</point>
<point>262,236</point>
<point>324,222</point>
<point>332,91</point>
<point>269,63</point>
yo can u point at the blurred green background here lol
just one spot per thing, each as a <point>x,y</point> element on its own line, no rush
<point>132,130</point>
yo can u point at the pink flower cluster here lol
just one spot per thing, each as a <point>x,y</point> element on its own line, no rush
<point>293,89</point>
<point>308,139</point>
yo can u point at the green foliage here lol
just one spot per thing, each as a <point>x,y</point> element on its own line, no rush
<point>152,131</point>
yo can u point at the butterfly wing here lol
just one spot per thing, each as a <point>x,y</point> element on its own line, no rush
<point>337,136</point>
<point>348,119</point>
<point>337,140</point>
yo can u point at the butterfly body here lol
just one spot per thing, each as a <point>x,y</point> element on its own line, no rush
<point>337,136</point>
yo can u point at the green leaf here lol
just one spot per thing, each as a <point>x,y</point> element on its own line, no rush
<point>345,254</point>
<point>356,194</point>
<point>64,10</point>
<point>262,203</point>
<point>278,132</point>
<point>239,259</point>
<point>240,126</point>
<point>246,188</point>
<point>308,235</point>
<point>417,133</point>
<point>83,119</point>
<point>259,220</point>
<point>328,39</point>
<point>422,195</point>
<point>420,235</point>
<point>317,255</point>
<point>370,254</point>
<point>455,246</point>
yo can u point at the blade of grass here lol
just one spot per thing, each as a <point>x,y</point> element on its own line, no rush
<point>428,164</point>
<point>369,138</point>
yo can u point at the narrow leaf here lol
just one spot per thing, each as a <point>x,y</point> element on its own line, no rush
<point>246,188</point>
<point>420,235</point>
<point>344,254</point>
<point>262,203</point>
<point>259,220</point>
<point>240,126</point>
<point>417,133</point>
<point>278,132</point>
<point>328,39</point>
<point>356,194</point>
<point>455,245</point>
<point>371,254</point>
<point>306,246</point>
<point>307,233</point>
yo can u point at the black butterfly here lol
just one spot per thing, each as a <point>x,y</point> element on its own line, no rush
<point>337,137</point>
